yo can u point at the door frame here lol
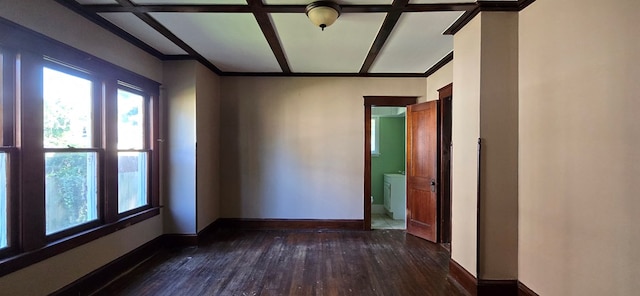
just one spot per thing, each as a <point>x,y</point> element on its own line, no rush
<point>445,96</point>
<point>378,101</point>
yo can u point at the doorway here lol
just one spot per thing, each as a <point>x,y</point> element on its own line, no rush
<point>369,102</point>
<point>388,179</point>
<point>445,96</point>
<point>443,159</point>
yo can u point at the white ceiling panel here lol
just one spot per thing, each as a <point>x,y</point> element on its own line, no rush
<point>91,2</point>
<point>340,48</point>
<point>139,29</point>
<point>341,2</point>
<point>187,2</point>
<point>231,41</point>
<point>416,43</point>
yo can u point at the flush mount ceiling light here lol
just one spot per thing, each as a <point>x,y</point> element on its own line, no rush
<point>323,13</point>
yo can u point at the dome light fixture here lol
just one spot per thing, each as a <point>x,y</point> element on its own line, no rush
<point>323,13</point>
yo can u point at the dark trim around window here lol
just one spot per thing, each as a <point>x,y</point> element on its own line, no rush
<point>26,52</point>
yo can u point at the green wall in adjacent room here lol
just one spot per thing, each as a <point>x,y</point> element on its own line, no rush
<point>391,158</point>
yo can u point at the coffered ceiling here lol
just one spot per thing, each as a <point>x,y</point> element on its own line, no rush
<point>274,37</point>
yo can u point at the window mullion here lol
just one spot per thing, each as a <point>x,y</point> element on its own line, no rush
<point>8,107</point>
<point>10,199</point>
<point>32,201</point>
<point>110,145</point>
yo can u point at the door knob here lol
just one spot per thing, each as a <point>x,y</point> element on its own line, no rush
<point>433,185</point>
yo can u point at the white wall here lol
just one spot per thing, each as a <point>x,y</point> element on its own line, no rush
<point>438,80</point>
<point>180,95</point>
<point>485,106</point>
<point>208,138</point>
<point>293,148</point>
<point>499,133</point>
<point>579,147</point>
<point>58,22</point>
<point>465,133</point>
<point>55,21</point>
<point>192,93</point>
<point>56,272</point>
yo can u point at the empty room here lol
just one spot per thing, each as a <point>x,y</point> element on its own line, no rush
<point>292,147</point>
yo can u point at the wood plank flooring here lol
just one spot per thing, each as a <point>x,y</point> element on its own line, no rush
<point>243,262</point>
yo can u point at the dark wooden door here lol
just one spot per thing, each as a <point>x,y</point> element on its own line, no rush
<point>422,172</point>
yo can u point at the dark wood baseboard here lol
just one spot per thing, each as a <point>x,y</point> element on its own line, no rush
<point>275,224</point>
<point>498,287</point>
<point>459,275</point>
<point>523,290</point>
<point>211,228</point>
<point>180,240</point>
<point>105,274</point>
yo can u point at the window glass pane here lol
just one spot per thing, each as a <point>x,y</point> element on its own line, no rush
<point>373,135</point>
<point>130,120</point>
<point>67,110</point>
<point>132,180</point>
<point>70,189</point>
<point>4,209</point>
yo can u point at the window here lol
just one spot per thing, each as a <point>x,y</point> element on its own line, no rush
<point>132,156</point>
<point>86,165</point>
<point>6,151</point>
<point>375,136</point>
<point>71,175</point>
<point>4,209</point>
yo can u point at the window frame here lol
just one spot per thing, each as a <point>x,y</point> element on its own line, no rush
<point>8,146</point>
<point>28,52</point>
<point>146,145</point>
<point>96,143</point>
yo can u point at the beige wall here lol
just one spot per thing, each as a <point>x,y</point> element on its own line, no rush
<point>485,106</point>
<point>293,147</point>
<point>180,143</point>
<point>208,138</point>
<point>192,93</point>
<point>465,133</point>
<point>579,147</point>
<point>56,272</point>
<point>70,28</point>
<point>499,133</point>
<point>58,22</point>
<point>438,80</point>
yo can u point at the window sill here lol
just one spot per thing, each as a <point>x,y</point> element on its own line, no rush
<point>375,154</point>
<point>22,260</point>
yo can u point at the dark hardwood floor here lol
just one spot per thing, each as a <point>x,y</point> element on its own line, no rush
<point>253,262</point>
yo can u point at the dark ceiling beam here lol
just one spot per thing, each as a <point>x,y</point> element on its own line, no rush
<point>168,8</point>
<point>100,21</point>
<point>445,60</point>
<point>486,6</point>
<point>524,3</point>
<point>461,21</point>
<point>306,74</point>
<point>440,7</point>
<point>385,30</point>
<point>98,8</point>
<point>261,12</point>
<point>269,33</point>
<point>166,33</point>
<point>499,5</point>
